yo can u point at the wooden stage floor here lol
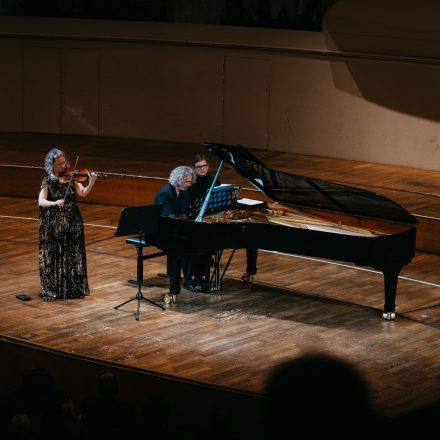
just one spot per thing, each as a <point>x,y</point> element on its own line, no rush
<point>233,338</point>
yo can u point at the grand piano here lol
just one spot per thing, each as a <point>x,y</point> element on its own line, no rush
<point>306,217</point>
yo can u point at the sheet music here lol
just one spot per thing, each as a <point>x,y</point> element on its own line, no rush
<point>249,202</point>
<point>365,233</point>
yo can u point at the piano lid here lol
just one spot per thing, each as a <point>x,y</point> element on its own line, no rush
<point>291,189</point>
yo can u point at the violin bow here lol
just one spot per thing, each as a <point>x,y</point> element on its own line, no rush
<point>71,178</point>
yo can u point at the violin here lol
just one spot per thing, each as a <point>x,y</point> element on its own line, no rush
<point>69,174</point>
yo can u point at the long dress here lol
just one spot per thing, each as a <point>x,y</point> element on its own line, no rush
<point>62,254</point>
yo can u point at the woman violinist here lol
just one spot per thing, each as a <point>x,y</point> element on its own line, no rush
<point>62,254</point>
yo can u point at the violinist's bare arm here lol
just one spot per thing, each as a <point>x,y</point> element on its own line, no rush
<point>84,191</point>
<point>44,203</point>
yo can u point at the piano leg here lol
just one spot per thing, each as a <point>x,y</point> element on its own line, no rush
<point>174,267</point>
<point>251,265</point>
<point>390,283</point>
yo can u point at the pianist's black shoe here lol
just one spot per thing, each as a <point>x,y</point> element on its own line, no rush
<point>206,287</point>
<point>192,286</point>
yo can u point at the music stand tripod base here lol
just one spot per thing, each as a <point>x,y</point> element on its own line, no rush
<point>139,220</point>
<point>139,297</point>
<point>142,284</point>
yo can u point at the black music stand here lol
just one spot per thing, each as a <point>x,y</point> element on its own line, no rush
<point>139,220</point>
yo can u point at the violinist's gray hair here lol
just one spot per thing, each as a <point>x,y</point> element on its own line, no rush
<point>177,175</point>
<point>53,154</point>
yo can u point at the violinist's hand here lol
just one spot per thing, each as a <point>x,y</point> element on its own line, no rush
<point>92,178</point>
<point>60,203</point>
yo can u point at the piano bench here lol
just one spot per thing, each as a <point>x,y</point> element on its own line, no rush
<point>140,244</point>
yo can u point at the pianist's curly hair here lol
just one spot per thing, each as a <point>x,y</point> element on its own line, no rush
<point>177,175</point>
<point>53,154</point>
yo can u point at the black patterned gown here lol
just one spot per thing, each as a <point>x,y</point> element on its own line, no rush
<point>62,254</point>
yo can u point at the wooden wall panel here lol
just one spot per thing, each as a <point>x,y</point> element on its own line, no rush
<point>124,190</point>
<point>10,87</point>
<point>310,101</point>
<point>79,98</point>
<point>115,190</point>
<point>41,89</point>
<point>246,99</point>
<point>360,109</point>
<point>164,93</point>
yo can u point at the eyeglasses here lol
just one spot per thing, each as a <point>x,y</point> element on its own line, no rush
<point>200,167</point>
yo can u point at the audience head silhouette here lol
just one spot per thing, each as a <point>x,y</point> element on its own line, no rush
<point>315,394</point>
<point>108,385</point>
<point>38,382</point>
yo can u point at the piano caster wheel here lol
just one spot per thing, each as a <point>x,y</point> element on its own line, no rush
<point>246,278</point>
<point>168,298</point>
<point>389,316</point>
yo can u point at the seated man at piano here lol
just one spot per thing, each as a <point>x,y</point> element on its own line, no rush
<point>176,203</point>
<point>174,196</point>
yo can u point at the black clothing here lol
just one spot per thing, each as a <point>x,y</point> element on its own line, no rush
<point>200,264</point>
<point>62,253</point>
<point>173,205</point>
<point>199,189</point>
<point>178,206</point>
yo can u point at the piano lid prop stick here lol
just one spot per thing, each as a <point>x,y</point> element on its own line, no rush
<point>199,218</point>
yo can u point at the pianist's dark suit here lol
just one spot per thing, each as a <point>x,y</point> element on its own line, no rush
<point>173,205</point>
<point>177,206</point>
